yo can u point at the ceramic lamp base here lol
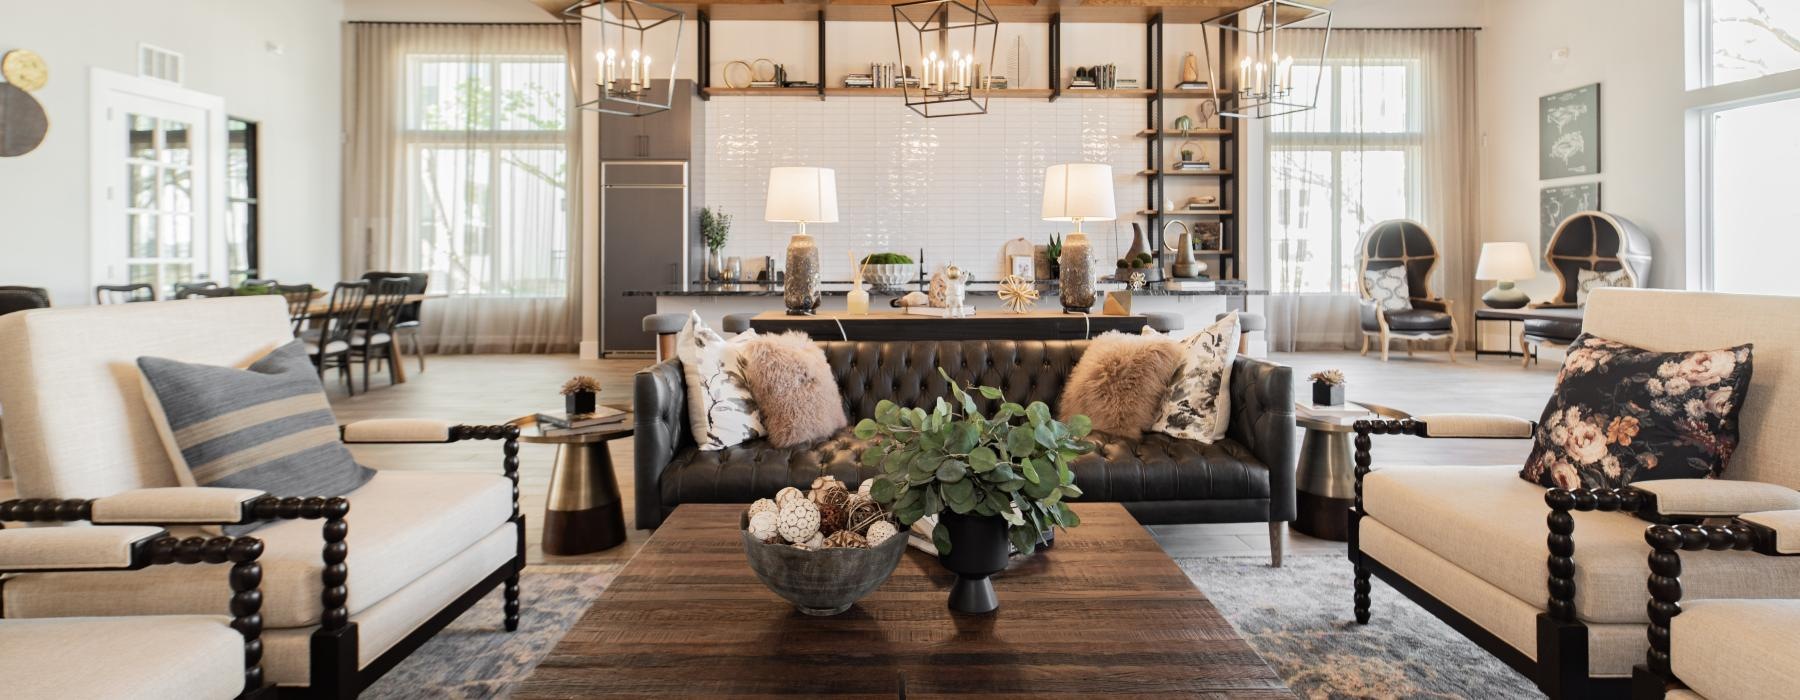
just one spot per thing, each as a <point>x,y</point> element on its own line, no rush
<point>800,291</point>
<point>1505,296</point>
<point>1076,277</point>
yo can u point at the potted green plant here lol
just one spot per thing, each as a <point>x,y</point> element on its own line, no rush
<point>887,270</point>
<point>715,229</point>
<point>579,395</point>
<point>993,481</point>
<point>1327,388</point>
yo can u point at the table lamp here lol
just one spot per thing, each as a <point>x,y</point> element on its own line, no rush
<point>1505,263</point>
<point>802,195</point>
<point>1078,192</point>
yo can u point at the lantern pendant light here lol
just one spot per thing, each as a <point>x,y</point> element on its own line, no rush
<point>946,53</point>
<point>634,68</point>
<point>1262,80</point>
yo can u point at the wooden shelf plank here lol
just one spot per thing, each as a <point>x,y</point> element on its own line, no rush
<point>1106,93</point>
<point>1190,133</point>
<point>1187,173</point>
<point>1186,212</point>
<point>1012,94</point>
<point>770,91</point>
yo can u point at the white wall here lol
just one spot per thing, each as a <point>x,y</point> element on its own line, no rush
<point>294,96</point>
<point>1634,49</point>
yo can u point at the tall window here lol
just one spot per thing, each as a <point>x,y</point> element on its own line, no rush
<point>487,164</point>
<point>1335,170</point>
<point>1749,148</point>
<point>241,223</point>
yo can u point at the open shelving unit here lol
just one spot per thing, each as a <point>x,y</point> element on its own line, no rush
<point>1224,260</point>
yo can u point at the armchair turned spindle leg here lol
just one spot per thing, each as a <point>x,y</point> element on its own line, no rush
<point>1361,598</point>
<point>512,603</point>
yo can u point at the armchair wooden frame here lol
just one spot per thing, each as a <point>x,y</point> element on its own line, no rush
<point>334,654</point>
<point>1420,293</point>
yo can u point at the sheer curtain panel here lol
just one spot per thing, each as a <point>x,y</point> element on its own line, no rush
<point>1393,135</point>
<point>461,162</point>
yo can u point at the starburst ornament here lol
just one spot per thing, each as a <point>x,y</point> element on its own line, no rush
<point>1018,294</point>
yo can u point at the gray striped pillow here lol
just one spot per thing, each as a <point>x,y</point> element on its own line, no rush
<point>267,427</point>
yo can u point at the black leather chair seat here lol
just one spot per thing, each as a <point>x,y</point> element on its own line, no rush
<point>1564,329</point>
<point>1411,320</point>
<point>1155,467</point>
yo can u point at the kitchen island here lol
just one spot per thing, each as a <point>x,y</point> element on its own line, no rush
<point>1197,307</point>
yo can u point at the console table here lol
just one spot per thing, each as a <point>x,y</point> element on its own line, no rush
<point>1512,316</point>
<point>896,325</point>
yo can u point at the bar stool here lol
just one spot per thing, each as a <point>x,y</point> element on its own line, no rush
<point>1247,322</point>
<point>1164,321</point>
<point>665,326</point>
<point>737,323</point>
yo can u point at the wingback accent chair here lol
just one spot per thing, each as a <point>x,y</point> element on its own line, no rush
<point>1552,581</point>
<point>1588,240</point>
<point>348,591</point>
<point>1402,243</point>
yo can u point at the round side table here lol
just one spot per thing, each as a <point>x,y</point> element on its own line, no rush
<point>584,512</point>
<point>1326,474</point>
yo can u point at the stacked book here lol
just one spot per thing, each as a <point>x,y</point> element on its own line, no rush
<point>1100,78</point>
<point>1193,165</point>
<point>559,423</point>
<point>882,75</point>
<point>1346,413</point>
<point>1201,85</point>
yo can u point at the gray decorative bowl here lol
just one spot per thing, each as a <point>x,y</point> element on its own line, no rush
<point>822,582</point>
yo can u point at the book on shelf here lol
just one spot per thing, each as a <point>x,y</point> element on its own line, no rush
<point>1193,165</point>
<point>1202,85</point>
<point>764,84</point>
<point>561,420</point>
<point>939,312</point>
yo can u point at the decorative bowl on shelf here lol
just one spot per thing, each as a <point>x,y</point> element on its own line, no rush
<point>889,276</point>
<point>823,581</point>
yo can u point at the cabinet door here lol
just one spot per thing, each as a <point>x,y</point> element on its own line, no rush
<point>669,135</point>
<point>621,137</point>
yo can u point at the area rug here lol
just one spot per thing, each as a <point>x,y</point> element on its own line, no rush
<point>1299,618</point>
<point>475,658</point>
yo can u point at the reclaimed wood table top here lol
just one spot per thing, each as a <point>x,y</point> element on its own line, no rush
<point>898,325</point>
<point>1104,612</point>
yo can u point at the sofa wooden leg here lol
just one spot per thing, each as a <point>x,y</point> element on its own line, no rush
<point>512,602</point>
<point>1277,542</point>
<point>1362,593</point>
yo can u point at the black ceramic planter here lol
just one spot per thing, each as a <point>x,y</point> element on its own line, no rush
<point>978,549</point>
<point>1328,394</point>
<point>579,402</point>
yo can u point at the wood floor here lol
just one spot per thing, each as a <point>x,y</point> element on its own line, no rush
<point>496,388</point>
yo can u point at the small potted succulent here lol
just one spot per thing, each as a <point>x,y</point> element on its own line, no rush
<point>888,270</point>
<point>578,395</point>
<point>1328,388</point>
<point>996,483</point>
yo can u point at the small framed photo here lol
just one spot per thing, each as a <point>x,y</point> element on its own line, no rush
<point>1025,266</point>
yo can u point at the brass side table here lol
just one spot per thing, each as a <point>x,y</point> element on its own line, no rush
<point>1326,474</point>
<point>584,512</point>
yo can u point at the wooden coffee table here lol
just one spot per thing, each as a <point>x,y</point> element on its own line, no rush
<point>1105,612</point>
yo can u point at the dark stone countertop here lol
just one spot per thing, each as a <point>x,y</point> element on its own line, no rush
<point>976,289</point>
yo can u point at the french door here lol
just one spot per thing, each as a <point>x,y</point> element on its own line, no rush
<point>157,160</point>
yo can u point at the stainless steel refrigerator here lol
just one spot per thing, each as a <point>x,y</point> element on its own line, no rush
<point>643,245</point>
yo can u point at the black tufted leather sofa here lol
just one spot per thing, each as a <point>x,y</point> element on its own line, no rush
<point>1247,477</point>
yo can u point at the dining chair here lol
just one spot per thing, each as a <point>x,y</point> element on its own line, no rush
<point>256,285</point>
<point>408,324</point>
<point>20,298</point>
<point>124,293</point>
<point>181,289</point>
<point>299,300</point>
<point>374,335</point>
<point>329,344</point>
<point>214,292</point>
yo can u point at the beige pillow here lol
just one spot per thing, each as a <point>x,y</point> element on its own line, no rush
<point>721,412</point>
<point>792,385</point>
<point>1121,382</point>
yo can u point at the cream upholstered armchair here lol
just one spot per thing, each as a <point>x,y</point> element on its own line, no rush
<point>351,586</point>
<point>1552,582</point>
<point>1403,248</point>
<point>1720,649</point>
<point>123,658</point>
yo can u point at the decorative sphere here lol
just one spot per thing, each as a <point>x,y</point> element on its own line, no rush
<point>762,525</point>
<point>763,505</point>
<point>880,530</point>
<point>867,486</point>
<point>831,518</point>
<point>798,521</point>
<point>787,495</point>
<point>845,539</point>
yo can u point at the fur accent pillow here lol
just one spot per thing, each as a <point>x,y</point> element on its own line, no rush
<point>793,387</point>
<point>1199,405</point>
<point>721,412</point>
<point>1121,382</point>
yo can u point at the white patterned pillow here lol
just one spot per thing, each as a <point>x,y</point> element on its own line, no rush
<point>1588,280</point>
<point>1388,289</point>
<point>721,411</point>
<point>1199,405</point>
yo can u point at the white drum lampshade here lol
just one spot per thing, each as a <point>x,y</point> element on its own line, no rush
<point>802,195</point>
<point>1079,192</point>
<point>1506,262</point>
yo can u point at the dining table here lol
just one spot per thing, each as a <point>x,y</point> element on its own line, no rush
<point>321,305</point>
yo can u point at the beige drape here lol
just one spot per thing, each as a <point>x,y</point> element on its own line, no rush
<point>1443,180</point>
<point>492,226</point>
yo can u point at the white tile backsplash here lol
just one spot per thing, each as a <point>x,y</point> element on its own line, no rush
<point>958,187</point>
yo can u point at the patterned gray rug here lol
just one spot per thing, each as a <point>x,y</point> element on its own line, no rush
<point>1297,617</point>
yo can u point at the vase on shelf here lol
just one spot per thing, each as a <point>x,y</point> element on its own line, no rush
<point>978,550</point>
<point>715,266</point>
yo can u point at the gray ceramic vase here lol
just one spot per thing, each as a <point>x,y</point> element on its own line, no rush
<point>823,582</point>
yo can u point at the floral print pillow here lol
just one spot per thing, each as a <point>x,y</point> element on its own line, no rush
<point>1199,405</point>
<point>1622,414</point>
<point>721,411</point>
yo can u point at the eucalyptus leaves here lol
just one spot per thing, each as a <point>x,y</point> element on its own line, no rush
<point>1014,465</point>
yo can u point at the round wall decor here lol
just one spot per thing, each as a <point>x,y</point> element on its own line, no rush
<point>741,80</point>
<point>24,69</point>
<point>22,121</point>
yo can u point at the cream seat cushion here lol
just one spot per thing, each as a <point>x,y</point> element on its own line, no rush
<point>402,525</point>
<point>1737,649</point>
<point>175,656</point>
<point>1491,523</point>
